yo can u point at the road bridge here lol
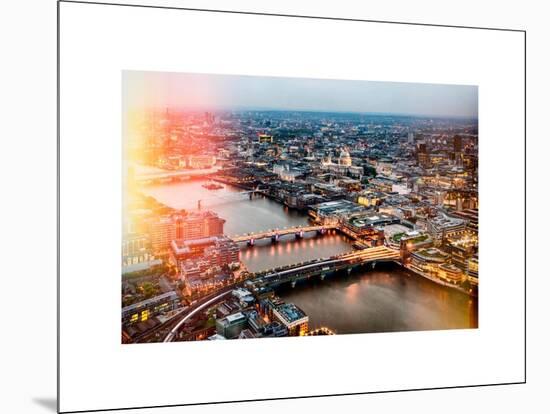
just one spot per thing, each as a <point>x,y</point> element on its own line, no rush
<point>276,234</point>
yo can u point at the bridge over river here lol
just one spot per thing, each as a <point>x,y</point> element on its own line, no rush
<point>321,267</point>
<point>276,234</point>
<point>292,274</point>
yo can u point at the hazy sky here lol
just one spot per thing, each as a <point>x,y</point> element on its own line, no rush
<point>203,92</point>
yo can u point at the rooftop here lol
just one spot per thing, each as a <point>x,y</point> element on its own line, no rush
<point>290,312</point>
<point>372,219</point>
<point>235,317</point>
<point>431,254</point>
<point>338,207</point>
<point>443,221</point>
<point>165,296</point>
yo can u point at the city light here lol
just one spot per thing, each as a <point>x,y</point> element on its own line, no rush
<point>236,222</point>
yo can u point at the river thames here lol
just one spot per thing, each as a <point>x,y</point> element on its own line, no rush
<point>385,299</point>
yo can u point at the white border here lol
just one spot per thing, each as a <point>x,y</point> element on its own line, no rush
<point>98,42</point>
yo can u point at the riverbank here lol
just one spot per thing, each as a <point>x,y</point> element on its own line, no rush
<point>440,281</point>
<point>389,298</point>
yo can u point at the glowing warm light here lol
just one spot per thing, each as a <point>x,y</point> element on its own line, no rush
<point>352,291</point>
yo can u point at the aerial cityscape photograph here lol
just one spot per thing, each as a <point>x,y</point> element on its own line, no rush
<point>263,207</point>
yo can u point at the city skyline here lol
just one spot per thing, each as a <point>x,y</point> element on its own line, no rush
<point>248,223</point>
<point>199,92</point>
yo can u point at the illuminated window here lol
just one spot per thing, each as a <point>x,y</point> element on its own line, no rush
<point>144,315</point>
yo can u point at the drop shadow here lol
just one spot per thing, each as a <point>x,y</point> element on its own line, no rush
<point>47,402</point>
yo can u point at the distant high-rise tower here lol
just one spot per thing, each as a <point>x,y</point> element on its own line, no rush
<point>457,143</point>
<point>423,156</point>
<point>457,148</point>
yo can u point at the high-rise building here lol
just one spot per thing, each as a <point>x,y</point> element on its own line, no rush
<point>423,155</point>
<point>457,148</point>
<point>198,225</point>
<point>183,227</point>
<point>457,143</point>
<point>162,231</point>
<point>209,118</point>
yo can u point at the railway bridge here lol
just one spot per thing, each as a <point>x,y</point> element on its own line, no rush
<point>321,267</point>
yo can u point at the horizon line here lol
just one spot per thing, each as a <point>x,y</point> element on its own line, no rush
<point>321,111</point>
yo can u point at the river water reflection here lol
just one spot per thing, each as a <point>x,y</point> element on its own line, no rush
<point>385,299</point>
<point>242,214</point>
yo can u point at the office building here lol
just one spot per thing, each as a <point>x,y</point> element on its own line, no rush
<point>443,226</point>
<point>231,326</point>
<point>142,311</point>
<point>293,318</point>
<point>162,231</point>
<point>198,225</point>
